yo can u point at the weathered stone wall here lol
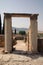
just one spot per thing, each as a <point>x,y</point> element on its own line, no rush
<point>40,45</point>
<point>2,42</point>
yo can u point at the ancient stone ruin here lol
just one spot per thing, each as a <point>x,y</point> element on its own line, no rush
<point>32,31</point>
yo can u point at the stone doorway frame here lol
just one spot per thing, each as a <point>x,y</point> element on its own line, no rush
<point>32,31</point>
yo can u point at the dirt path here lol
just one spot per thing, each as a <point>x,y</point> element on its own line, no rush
<point>20,45</point>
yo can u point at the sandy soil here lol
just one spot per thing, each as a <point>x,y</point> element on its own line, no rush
<point>21,45</point>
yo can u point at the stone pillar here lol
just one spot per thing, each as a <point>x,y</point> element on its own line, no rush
<point>27,41</point>
<point>33,34</point>
<point>8,34</point>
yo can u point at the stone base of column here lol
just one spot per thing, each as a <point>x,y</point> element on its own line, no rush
<point>6,52</point>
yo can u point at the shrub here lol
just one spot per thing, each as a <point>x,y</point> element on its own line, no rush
<point>22,32</point>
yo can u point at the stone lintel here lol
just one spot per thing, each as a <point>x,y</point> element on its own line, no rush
<point>20,14</point>
<point>34,16</point>
<point>7,15</point>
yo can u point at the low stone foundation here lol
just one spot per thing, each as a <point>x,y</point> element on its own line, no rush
<point>2,42</point>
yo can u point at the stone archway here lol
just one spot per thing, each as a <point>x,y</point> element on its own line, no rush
<point>32,32</point>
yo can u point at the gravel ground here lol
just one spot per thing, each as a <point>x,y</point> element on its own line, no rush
<point>20,57</point>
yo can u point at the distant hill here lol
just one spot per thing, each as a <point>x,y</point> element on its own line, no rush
<point>40,31</point>
<point>23,29</point>
<point>19,29</point>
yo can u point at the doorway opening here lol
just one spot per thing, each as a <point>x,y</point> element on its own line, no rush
<point>20,30</point>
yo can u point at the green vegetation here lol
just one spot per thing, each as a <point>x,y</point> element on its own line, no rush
<point>40,34</point>
<point>22,32</point>
<point>15,31</point>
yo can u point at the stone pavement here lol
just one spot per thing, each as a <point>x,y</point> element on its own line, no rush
<point>21,59</point>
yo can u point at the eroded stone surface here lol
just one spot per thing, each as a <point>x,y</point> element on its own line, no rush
<point>15,59</point>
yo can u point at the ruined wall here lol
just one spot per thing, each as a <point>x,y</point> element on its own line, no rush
<point>40,45</point>
<point>2,43</point>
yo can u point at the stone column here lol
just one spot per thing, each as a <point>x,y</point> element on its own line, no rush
<point>8,34</point>
<point>33,34</point>
<point>27,42</point>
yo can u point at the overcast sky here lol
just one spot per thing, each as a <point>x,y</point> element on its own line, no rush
<point>23,6</point>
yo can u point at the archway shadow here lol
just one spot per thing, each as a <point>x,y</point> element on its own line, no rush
<point>28,54</point>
